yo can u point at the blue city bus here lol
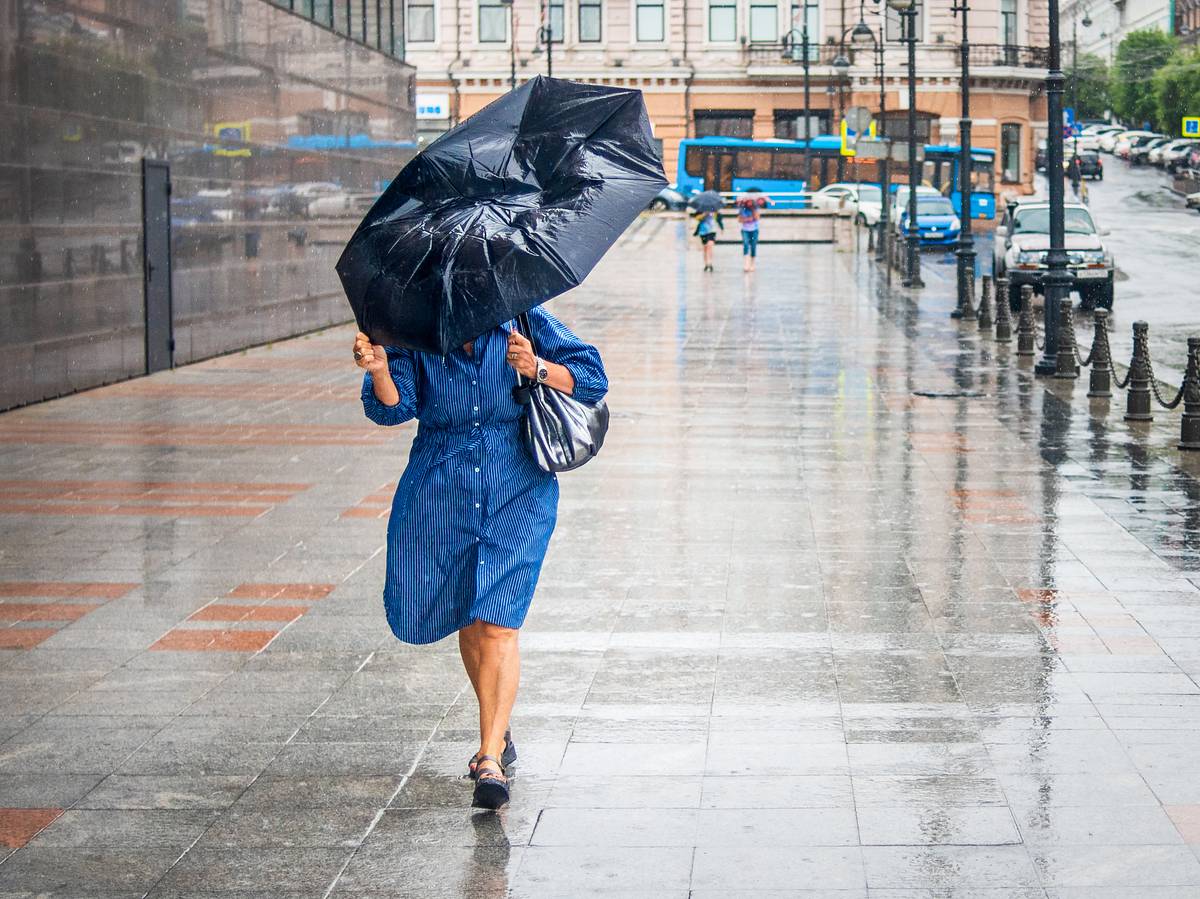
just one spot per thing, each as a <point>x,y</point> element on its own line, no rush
<point>778,168</point>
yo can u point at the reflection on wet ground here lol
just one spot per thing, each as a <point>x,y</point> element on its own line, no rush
<point>801,631</point>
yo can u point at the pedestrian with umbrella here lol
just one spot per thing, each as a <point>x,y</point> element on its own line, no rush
<point>512,207</point>
<point>707,205</point>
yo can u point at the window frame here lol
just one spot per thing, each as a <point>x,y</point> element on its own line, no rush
<point>635,31</point>
<point>814,27</point>
<point>432,6</point>
<point>598,5</point>
<point>480,5</point>
<point>724,6</point>
<point>773,5</point>
<point>1007,128</point>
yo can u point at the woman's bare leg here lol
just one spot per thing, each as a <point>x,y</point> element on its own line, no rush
<point>497,677</point>
<point>468,648</point>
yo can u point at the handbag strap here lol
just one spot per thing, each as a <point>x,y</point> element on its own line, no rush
<point>524,327</point>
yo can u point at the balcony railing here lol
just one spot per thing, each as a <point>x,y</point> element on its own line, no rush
<point>982,55</point>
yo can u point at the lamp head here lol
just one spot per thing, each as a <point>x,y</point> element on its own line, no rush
<point>841,62</point>
<point>862,34</point>
<point>901,5</point>
<point>1086,22</point>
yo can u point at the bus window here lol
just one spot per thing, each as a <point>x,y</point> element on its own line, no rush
<point>693,162</point>
<point>788,165</point>
<point>754,164</point>
<point>983,176</point>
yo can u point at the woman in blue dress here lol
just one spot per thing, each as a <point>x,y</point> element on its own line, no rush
<point>473,513</point>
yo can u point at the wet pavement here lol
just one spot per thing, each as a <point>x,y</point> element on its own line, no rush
<point>801,632</point>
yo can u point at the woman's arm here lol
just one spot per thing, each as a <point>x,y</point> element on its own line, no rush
<point>389,393</point>
<point>588,382</point>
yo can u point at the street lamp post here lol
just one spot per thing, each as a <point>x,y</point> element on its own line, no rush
<point>860,35</point>
<point>1058,279</point>
<point>545,36</point>
<point>966,242</point>
<point>790,42</point>
<point>512,43</point>
<point>908,14</point>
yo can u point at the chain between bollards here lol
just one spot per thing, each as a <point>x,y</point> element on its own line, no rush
<point>1025,335</point>
<point>1003,312</point>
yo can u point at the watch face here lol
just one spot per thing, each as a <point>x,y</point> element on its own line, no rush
<point>543,374</point>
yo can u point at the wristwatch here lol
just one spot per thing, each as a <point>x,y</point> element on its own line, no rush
<point>542,372</point>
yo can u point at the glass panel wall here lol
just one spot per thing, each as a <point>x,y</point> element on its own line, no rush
<point>279,134</point>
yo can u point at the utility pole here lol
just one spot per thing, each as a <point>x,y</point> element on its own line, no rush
<point>807,104</point>
<point>966,242</point>
<point>1058,280</point>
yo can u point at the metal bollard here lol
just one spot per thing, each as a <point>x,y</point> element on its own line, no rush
<point>968,310</point>
<point>1138,399</point>
<point>1003,313</point>
<point>985,304</point>
<point>1026,340</point>
<point>1189,430</point>
<point>1100,379</point>
<point>1065,361</point>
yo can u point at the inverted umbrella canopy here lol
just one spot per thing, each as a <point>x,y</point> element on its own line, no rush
<point>512,207</point>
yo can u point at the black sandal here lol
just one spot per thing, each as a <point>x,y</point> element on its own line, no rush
<point>491,787</point>
<point>507,757</point>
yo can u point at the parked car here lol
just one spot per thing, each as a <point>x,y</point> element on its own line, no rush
<point>1023,239</point>
<point>937,222</point>
<point>1139,153</point>
<point>1193,201</point>
<point>341,204</point>
<point>1176,156</point>
<point>1132,140</point>
<point>668,198</point>
<point>865,201</point>
<point>1100,129</point>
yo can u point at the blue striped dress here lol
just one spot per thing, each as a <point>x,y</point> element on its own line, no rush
<point>472,515</point>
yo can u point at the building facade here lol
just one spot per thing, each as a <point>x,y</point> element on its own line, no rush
<point>1099,26</point>
<point>736,66</point>
<point>177,177</point>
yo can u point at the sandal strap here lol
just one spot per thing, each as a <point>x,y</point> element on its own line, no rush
<point>487,773</point>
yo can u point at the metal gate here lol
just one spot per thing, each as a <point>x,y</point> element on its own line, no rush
<point>156,263</point>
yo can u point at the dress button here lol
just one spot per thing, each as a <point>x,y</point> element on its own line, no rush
<point>475,409</point>
<point>474,383</point>
<point>477,505</point>
<point>476,424</point>
<point>476,471</point>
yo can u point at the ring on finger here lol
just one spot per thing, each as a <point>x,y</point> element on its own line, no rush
<point>357,355</point>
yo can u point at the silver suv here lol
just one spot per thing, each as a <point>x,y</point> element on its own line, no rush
<point>1023,239</point>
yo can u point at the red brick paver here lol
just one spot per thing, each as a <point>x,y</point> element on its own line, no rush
<point>20,825</point>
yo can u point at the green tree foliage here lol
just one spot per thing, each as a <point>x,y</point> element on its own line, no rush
<point>1177,90</point>
<point>1091,87</point>
<point>1139,56</point>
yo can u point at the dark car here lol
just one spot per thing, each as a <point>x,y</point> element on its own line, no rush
<point>1090,165</point>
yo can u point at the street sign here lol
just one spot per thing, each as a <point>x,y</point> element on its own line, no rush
<point>850,136</point>
<point>871,148</point>
<point>858,118</point>
<point>1191,126</point>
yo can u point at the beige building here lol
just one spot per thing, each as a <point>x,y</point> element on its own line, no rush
<point>734,67</point>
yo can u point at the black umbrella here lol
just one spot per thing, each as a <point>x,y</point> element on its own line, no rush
<point>514,206</point>
<point>707,201</point>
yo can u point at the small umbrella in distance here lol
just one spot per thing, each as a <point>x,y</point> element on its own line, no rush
<point>512,207</point>
<point>707,201</point>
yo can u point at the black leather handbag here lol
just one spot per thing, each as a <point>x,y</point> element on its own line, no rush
<point>559,432</point>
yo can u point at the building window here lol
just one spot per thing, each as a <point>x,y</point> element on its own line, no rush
<point>589,21</point>
<point>1010,153</point>
<point>650,15</point>
<point>376,24</point>
<point>895,124</point>
<point>801,12</point>
<point>789,123</point>
<point>421,21</point>
<point>725,123</point>
<point>764,21</point>
<point>722,21</point>
<point>1008,22</point>
<point>557,14</point>
<point>895,23</point>
<point>493,22</point>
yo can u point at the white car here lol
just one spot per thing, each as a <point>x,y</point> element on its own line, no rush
<point>1084,141</point>
<point>863,200</point>
<point>1109,142</point>
<point>1158,156</point>
<point>1131,139</point>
